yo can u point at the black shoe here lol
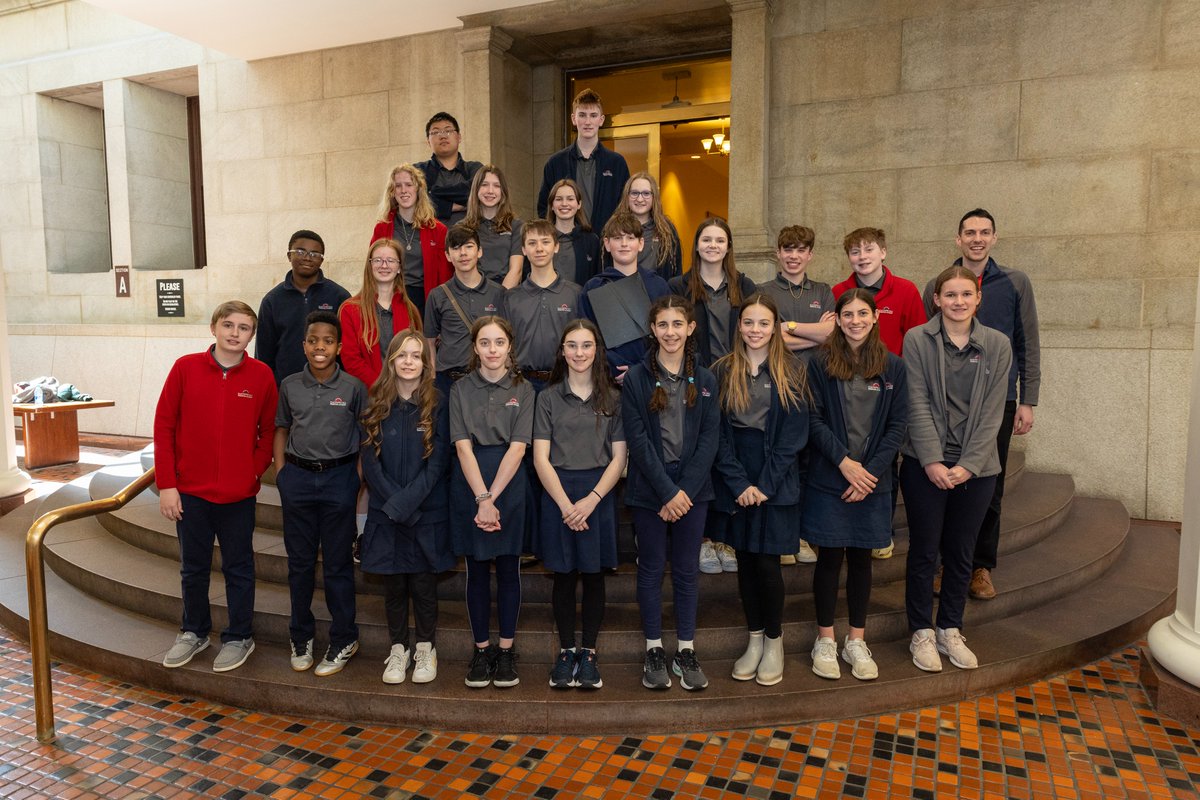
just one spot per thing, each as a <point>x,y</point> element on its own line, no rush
<point>505,674</point>
<point>687,667</point>
<point>483,666</point>
<point>562,676</point>
<point>356,549</point>
<point>654,672</point>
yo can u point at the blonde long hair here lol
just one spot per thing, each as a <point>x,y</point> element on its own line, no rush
<point>787,373</point>
<point>385,391</point>
<point>424,214</point>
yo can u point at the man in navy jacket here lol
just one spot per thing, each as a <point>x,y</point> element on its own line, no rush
<point>601,173</point>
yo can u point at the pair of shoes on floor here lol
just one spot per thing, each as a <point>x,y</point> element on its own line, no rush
<point>187,644</point>
<point>762,662</point>
<point>493,665</point>
<point>727,557</point>
<point>301,658</point>
<point>927,644</point>
<point>685,665</point>
<point>710,562</point>
<point>423,660</point>
<point>854,652</point>
<point>576,667</point>
<point>806,555</point>
<point>981,587</point>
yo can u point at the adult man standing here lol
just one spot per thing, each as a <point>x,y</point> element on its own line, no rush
<point>447,174</point>
<point>1008,306</point>
<point>601,173</point>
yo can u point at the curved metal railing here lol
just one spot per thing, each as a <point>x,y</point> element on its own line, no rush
<point>35,579</point>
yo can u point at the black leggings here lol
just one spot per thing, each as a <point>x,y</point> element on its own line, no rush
<point>421,589</point>
<point>760,584</point>
<point>563,602</point>
<point>858,584</point>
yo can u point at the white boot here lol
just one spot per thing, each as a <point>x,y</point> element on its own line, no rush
<point>770,668</point>
<point>746,667</point>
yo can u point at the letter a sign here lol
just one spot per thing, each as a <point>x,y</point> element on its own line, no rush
<point>122,275</point>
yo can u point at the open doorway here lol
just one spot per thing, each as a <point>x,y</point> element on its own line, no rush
<point>671,119</point>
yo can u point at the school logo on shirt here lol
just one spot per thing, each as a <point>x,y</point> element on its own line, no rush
<point>337,401</point>
<point>513,403</point>
<point>607,173</point>
<point>246,393</point>
<point>705,393</point>
<point>815,304</point>
<point>325,307</point>
<point>885,309</point>
<point>975,358</point>
<point>564,308</point>
<point>490,308</point>
<point>888,385</point>
<point>874,386</point>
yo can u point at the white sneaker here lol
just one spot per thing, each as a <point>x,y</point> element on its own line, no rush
<point>727,557</point>
<point>334,662</point>
<point>424,663</point>
<point>951,642</point>
<point>806,555</point>
<point>787,559</point>
<point>824,658</point>
<point>856,653</point>
<point>709,563</point>
<point>884,552</point>
<point>396,664</point>
<point>302,657</point>
<point>925,651</point>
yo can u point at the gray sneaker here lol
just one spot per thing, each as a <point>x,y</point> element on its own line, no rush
<point>333,662</point>
<point>187,644</point>
<point>654,672</point>
<point>233,655</point>
<point>687,667</point>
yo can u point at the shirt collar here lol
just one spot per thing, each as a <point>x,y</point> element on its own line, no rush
<point>477,379</point>
<point>310,380</point>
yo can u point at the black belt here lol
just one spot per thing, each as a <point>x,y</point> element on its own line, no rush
<point>319,466</point>
<point>539,375</point>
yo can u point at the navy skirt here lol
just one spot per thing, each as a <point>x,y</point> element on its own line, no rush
<point>765,529</point>
<point>389,548</point>
<point>829,521</point>
<point>469,540</point>
<point>565,550</point>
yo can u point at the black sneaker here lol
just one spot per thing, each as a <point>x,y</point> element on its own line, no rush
<point>685,665</point>
<point>654,672</point>
<point>356,549</point>
<point>505,674</point>
<point>562,676</point>
<point>587,676</point>
<point>483,666</point>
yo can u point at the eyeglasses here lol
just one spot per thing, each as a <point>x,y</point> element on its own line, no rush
<point>301,253</point>
<point>384,262</point>
<point>641,195</point>
<point>442,132</point>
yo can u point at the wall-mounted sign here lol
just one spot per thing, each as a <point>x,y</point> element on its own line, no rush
<point>170,297</point>
<point>122,275</point>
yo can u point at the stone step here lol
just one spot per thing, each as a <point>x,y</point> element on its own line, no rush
<point>1031,513</point>
<point>139,580</point>
<point>1013,649</point>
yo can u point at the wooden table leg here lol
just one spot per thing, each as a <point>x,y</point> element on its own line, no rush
<point>51,437</point>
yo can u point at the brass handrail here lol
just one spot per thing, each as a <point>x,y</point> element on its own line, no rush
<point>35,580</point>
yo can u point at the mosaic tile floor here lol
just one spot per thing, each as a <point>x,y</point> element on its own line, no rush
<point>1090,733</point>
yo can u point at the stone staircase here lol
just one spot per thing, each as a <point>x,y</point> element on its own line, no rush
<point>1076,580</point>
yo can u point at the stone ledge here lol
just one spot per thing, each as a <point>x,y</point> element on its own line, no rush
<point>1169,695</point>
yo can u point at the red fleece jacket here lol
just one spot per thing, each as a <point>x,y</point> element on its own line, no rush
<point>899,304</point>
<point>433,251</point>
<point>213,428</point>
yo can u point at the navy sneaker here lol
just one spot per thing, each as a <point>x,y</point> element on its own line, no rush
<point>562,676</point>
<point>587,675</point>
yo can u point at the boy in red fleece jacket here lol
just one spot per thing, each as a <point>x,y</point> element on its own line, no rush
<point>897,299</point>
<point>213,431</point>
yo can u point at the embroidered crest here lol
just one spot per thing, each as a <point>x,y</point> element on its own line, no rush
<point>513,403</point>
<point>885,310</point>
<point>490,308</point>
<point>705,392</point>
<point>815,304</point>
<point>337,401</point>
<point>873,386</point>
<point>325,307</point>
<point>246,393</point>
<point>564,308</point>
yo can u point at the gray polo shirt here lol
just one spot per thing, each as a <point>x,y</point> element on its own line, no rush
<point>579,437</point>
<point>755,415</point>
<point>564,259</point>
<point>487,413</point>
<point>860,397</point>
<point>585,176</point>
<point>321,418</point>
<point>671,418</point>
<point>444,323</point>
<point>497,247</point>
<point>409,237</point>
<point>961,366</point>
<point>648,258</point>
<point>803,303</point>
<point>717,306</point>
<point>538,317</point>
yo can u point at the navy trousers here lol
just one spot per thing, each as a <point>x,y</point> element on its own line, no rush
<point>232,526</point>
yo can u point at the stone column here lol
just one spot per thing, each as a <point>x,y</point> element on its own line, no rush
<point>13,482</point>
<point>1175,641</point>
<point>750,102</point>
<point>482,90</point>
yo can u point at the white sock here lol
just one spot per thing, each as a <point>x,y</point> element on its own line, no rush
<point>653,643</point>
<point>360,521</point>
<point>685,644</point>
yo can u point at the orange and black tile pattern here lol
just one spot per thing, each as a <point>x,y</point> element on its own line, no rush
<point>1089,734</point>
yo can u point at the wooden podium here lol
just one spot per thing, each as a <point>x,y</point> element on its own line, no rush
<point>52,431</point>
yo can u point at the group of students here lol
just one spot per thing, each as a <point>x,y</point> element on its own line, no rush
<point>755,417</point>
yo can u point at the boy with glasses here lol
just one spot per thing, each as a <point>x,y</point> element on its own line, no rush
<point>447,174</point>
<point>284,309</point>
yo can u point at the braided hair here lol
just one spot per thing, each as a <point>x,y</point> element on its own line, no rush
<point>658,400</point>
